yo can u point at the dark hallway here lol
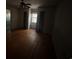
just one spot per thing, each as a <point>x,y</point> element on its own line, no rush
<point>28,44</point>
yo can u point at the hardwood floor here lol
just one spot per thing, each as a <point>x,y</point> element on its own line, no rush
<point>28,44</point>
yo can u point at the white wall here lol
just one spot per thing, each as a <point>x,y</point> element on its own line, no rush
<point>14,16</point>
<point>23,21</point>
<point>17,17</point>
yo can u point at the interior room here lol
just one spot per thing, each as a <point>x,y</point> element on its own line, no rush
<point>39,29</point>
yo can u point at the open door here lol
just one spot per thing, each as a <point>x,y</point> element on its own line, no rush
<point>40,21</point>
<point>25,20</point>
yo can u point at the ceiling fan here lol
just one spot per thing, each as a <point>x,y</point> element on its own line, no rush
<point>24,5</point>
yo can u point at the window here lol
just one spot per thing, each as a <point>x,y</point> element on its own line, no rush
<point>34,17</point>
<point>8,20</point>
<point>8,15</point>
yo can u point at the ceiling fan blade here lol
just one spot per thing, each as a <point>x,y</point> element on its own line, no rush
<point>24,4</point>
<point>27,4</point>
<point>22,0</point>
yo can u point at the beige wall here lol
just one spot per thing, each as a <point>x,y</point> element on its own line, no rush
<point>62,34</point>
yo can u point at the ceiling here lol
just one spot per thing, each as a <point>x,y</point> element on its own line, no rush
<point>34,3</point>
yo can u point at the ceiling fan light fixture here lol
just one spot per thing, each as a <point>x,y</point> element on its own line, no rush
<point>24,5</point>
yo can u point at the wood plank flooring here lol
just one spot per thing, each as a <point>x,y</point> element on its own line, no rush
<point>28,44</point>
